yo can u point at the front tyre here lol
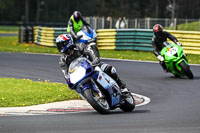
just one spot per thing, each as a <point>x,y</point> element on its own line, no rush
<point>129,103</point>
<point>96,100</point>
<point>186,70</point>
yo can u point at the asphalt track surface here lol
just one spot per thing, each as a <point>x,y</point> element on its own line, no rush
<point>174,106</point>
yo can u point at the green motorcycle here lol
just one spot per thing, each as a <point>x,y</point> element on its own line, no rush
<point>175,60</point>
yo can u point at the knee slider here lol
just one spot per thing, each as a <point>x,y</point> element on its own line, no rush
<point>113,70</point>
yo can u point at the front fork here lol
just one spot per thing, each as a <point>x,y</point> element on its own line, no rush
<point>88,83</point>
<point>178,62</point>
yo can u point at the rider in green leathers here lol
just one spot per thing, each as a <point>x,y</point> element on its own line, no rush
<point>75,24</point>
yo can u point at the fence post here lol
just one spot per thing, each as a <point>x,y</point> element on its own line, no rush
<point>127,23</point>
<point>103,22</point>
<point>95,22</point>
<point>148,23</point>
<point>199,24</point>
<point>136,23</point>
<point>175,24</point>
<point>21,34</point>
<point>111,20</point>
<point>166,22</point>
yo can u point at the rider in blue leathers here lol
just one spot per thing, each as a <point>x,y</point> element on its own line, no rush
<point>71,51</point>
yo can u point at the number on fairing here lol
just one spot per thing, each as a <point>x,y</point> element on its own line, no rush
<point>172,51</point>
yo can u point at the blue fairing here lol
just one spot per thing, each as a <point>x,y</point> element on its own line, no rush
<point>82,41</point>
<point>87,34</point>
<point>90,35</point>
<point>95,75</point>
<point>88,73</point>
<point>115,99</point>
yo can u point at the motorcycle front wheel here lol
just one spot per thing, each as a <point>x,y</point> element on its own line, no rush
<point>97,101</point>
<point>186,69</point>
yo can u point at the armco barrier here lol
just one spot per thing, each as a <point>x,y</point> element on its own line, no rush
<point>122,39</point>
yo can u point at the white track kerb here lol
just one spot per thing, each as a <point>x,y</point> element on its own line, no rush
<point>64,105</point>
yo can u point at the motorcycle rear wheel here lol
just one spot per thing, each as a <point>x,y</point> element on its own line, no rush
<point>186,69</point>
<point>129,104</point>
<point>98,103</point>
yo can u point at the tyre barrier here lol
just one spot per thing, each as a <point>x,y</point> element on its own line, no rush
<point>121,39</point>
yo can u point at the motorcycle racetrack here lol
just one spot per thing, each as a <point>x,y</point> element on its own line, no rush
<point>174,106</point>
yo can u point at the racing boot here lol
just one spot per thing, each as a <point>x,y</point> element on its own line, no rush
<point>111,71</point>
<point>121,84</point>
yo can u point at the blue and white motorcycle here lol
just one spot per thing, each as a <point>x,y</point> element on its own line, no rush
<point>98,88</point>
<point>88,37</point>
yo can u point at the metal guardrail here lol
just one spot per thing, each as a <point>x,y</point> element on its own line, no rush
<point>122,39</point>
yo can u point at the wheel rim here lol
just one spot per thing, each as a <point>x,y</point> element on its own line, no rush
<point>100,100</point>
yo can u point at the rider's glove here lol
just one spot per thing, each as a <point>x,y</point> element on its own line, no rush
<point>96,62</point>
<point>178,43</point>
<point>78,37</point>
<point>161,58</point>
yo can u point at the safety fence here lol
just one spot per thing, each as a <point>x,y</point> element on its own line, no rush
<point>122,39</point>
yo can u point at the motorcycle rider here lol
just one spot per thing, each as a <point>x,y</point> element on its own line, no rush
<point>158,39</point>
<point>75,24</point>
<point>71,51</point>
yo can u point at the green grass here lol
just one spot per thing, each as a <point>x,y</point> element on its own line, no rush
<point>11,44</point>
<point>194,26</point>
<point>131,55</point>
<point>141,56</point>
<point>23,92</point>
<point>9,29</point>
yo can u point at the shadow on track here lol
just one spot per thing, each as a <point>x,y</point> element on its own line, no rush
<point>117,112</point>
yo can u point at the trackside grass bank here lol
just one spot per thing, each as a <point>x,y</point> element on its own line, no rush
<point>24,92</point>
<point>10,44</point>
<point>9,29</point>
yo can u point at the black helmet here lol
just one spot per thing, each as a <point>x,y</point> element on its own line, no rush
<point>77,16</point>
<point>64,43</point>
<point>157,29</point>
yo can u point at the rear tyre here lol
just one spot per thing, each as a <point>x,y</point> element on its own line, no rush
<point>186,70</point>
<point>129,103</point>
<point>96,100</point>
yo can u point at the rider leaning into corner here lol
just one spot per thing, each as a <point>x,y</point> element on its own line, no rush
<point>158,39</point>
<point>71,51</point>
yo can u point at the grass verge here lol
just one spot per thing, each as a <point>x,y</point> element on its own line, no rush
<point>23,92</point>
<point>11,44</point>
<point>9,29</point>
<point>193,26</point>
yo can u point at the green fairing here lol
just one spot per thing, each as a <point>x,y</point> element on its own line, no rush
<point>171,61</point>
